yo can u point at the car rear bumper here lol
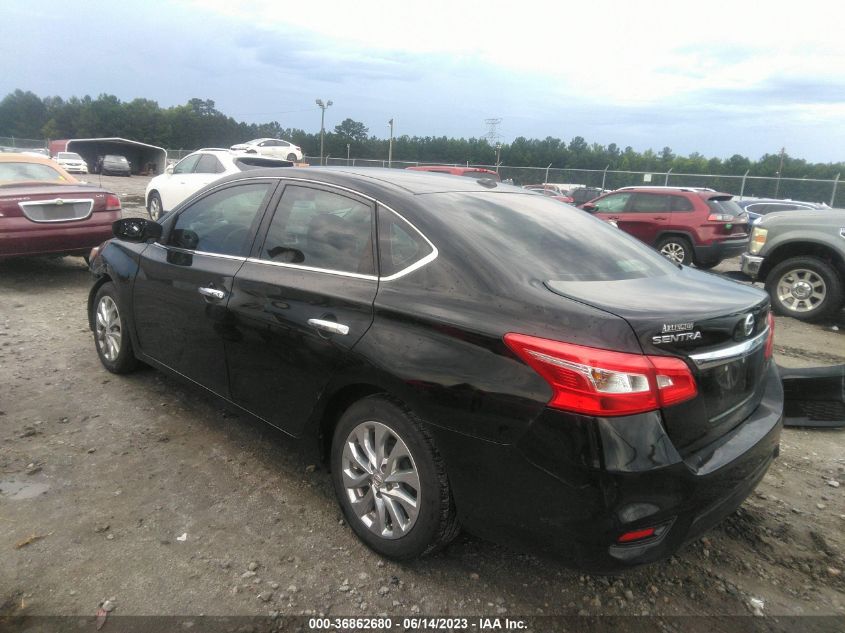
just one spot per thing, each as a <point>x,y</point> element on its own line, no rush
<point>20,237</point>
<point>720,250</point>
<point>574,484</point>
<point>751,265</point>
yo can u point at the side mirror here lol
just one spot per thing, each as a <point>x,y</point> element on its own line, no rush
<point>136,230</point>
<point>589,207</point>
<point>169,169</point>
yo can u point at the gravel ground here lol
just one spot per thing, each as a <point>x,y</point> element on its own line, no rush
<point>149,493</point>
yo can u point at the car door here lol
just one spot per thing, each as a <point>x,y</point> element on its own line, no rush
<point>179,183</point>
<point>184,283</point>
<point>646,216</point>
<point>301,302</point>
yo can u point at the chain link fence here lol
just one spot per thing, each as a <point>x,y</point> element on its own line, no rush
<point>14,144</point>
<point>744,186</point>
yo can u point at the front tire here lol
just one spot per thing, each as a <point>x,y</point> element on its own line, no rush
<point>805,288</point>
<point>154,207</point>
<point>677,250</point>
<point>111,335</point>
<point>391,481</point>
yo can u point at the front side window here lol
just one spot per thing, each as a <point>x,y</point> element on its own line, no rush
<point>187,164</point>
<point>614,203</point>
<point>220,222</point>
<point>321,229</point>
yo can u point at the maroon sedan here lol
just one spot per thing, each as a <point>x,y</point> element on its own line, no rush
<point>46,211</point>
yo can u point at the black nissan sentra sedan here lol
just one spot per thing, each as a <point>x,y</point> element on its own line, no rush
<point>463,353</point>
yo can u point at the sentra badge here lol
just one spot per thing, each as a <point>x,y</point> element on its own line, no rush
<point>676,333</point>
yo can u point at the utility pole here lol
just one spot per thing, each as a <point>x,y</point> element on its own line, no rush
<point>323,107</point>
<point>498,153</point>
<point>348,148</point>
<point>780,170</point>
<point>390,145</point>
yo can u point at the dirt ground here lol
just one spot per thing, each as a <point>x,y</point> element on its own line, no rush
<point>148,493</point>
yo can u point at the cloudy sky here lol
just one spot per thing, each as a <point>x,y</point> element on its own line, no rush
<point>719,78</point>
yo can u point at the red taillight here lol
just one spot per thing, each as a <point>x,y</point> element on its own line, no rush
<point>636,535</point>
<point>770,338</point>
<point>112,203</point>
<point>720,217</point>
<point>601,382</point>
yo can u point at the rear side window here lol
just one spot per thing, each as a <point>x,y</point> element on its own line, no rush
<point>321,229</point>
<point>679,203</point>
<point>400,244</point>
<point>220,222</point>
<point>208,164</point>
<point>649,203</point>
<point>725,206</point>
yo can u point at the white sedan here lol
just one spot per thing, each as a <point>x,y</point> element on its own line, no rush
<point>72,162</point>
<point>194,172</point>
<point>274,147</point>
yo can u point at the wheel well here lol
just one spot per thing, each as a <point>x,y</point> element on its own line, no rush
<point>93,293</point>
<point>663,236</point>
<point>802,249</point>
<point>339,402</point>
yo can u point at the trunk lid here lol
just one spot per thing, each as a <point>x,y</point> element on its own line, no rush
<point>717,326</point>
<point>51,203</point>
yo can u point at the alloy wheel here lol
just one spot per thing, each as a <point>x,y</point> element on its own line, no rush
<point>381,480</point>
<point>674,252</point>
<point>801,290</point>
<point>155,208</point>
<point>108,330</point>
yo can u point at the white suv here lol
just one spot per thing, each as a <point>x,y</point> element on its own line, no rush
<point>72,162</point>
<point>194,172</point>
<point>275,147</point>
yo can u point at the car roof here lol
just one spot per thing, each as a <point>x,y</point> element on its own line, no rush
<point>703,192</point>
<point>375,180</point>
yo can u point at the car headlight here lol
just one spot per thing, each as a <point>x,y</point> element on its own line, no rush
<point>758,239</point>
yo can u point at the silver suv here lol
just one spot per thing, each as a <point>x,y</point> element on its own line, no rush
<point>801,259</point>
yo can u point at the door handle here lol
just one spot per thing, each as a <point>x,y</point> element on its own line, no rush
<point>212,293</point>
<point>332,327</point>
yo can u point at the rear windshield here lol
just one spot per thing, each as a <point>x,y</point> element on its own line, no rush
<point>549,240</point>
<point>19,172</point>
<point>117,159</point>
<point>724,206</point>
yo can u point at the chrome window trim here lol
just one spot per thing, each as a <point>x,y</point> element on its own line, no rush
<point>719,356</point>
<point>186,251</point>
<point>255,260</point>
<point>35,203</point>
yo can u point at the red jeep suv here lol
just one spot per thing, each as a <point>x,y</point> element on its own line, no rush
<point>688,225</point>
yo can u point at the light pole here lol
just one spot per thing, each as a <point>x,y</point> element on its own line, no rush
<point>498,153</point>
<point>348,147</point>
<point>390,145</point>
<point>323,107</point>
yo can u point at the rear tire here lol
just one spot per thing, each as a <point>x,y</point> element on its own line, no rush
<point>292,158</point>
<point>677,250</point>
<point>111,334</point>
<point>805,288</point>
<point>390,480</point>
